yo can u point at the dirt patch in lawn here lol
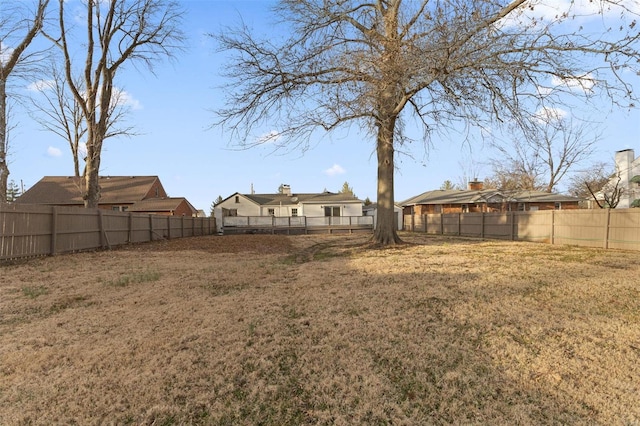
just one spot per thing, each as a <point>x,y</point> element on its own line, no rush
<point>319,329</point>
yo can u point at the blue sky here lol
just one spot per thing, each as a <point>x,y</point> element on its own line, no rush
<point>172,114</point>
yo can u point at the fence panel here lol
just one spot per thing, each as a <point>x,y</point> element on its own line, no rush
<point>471,224</point>
<point>624,229</point>
<point>23,232</point>
<point>580,227</point>
<point>28,230</point>
<point>607,228</point>
<point>533,226</point>
<point>498,226</point>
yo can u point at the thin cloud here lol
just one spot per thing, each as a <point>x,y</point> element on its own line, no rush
<point>5,52</point>
<point>41,85</point>
<point>124,98</point>
<point>270,137</point>
<point>335,170</point>
<point>549,115</point>
<point>584,83</point>
<point>54,152</point>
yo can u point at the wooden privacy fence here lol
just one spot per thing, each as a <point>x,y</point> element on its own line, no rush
<point>605,228</point>
<point>28,230</point>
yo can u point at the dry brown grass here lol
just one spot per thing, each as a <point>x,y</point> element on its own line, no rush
<point>280,330</point>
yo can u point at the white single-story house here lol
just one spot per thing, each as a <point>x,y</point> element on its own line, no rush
<point>372,210</point>
<point>288,204</point>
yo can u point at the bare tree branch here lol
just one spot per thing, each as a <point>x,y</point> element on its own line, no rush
<point>18,28</point>
<point>453,62</point>
<point>117,32</point>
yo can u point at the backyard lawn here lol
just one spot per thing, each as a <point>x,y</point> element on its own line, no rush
<point>322,329</point>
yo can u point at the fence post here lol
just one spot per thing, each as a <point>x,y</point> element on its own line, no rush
<point>168,227</point>
<point>513,220</point>
<point>482,224</point>
<point>54,229</point>
<point>553,227</point>
<point>130,226</point>
<point>101,226</point>
<point>413,222</point>
<point>441,223</point>
<point>182,227</point>
<point>150,227</point>
<point>459,224</point>
<point>607,223</point>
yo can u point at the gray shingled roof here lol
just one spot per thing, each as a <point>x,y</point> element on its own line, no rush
<point>63,190</point>
<point>294,199</point>
<point>456,196</point>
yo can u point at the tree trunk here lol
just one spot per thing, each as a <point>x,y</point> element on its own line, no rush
<point>385,232</point>
<point>4,168</point>
<point>91,178</point>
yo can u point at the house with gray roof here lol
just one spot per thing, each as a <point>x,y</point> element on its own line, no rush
<point>143,194</point>
<point>478,199</point>
<point>288,204</point>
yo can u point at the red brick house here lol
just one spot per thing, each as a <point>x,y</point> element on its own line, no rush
<point>478,199</point>
<point>143,194</point>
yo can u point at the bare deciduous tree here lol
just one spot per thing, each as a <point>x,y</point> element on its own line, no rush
<point>608,197</point>
<point>515,172</point>
<point>595,176</point>
<point>548,149</point>
<point>18,27</point>
<point>61,114</point>
<point>117,32</point>
<point>599,184</point>
<point>383,63</point>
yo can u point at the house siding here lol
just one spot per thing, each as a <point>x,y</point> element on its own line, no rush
<point>420,209</point>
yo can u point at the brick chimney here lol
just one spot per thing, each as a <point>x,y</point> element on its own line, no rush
<point>286,190</point>
<point>475,185</point>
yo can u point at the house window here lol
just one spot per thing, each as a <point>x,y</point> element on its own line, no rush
<point>465,208</point>
<point>125,208</point>
<point>521,207</point>
<point>237,198</point>
<point>233,212</point>
<point>294,212</point>
<point>332,211</point>
<point>115,208</point>
<point>557,206</point>
<point>271,212</point>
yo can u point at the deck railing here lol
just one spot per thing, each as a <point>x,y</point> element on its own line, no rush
<point>296,224</point>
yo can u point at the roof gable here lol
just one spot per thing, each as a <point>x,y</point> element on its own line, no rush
<point>168,204</point>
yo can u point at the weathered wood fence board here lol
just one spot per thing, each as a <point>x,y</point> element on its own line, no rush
<point>606,228</point>
<point>28,231</point>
